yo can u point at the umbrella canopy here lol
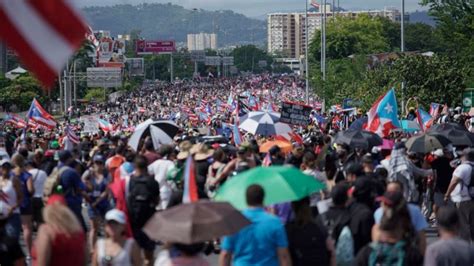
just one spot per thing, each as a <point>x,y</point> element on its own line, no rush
<point>285,146</point>
<point>410,126</point>
<point>195,222</point>
<point>280,183</point>
<point>359,123</point>
<point>447,126</point>
<point>457,137</point>
<point>161,132</point>
<point>359,139</point>
<point>387,144</point>
<point>264,123</point>
<point>426,143</point>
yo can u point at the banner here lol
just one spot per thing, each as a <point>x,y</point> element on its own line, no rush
<point>91,124</point>
<point>295,113</point>
<point>155,47</point>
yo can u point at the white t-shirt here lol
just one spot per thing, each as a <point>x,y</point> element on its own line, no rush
<point>159,169</point>
<point>39,177</point>
<point>460,192</point>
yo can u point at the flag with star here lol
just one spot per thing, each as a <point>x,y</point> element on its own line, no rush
<point>382,116</point>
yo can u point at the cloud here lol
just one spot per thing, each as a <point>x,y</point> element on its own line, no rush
<point>261,7</point>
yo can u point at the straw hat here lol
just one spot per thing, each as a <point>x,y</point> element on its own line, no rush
<point>201,152</point>
<point>184,150</point>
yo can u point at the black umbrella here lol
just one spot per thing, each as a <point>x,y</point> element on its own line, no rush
<point>161,132</point>
<point>446,126</point>
<point>458,137</point>
<point>426,143</point>
<point>359,123</point>
<point>358,139</point>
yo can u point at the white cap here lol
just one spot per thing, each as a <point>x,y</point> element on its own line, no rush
<point>438,152</point>
<point>4,208</point>
<point>115,215</point>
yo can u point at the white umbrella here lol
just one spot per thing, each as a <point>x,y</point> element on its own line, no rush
<point>161,132</point>
<point>264,123</point>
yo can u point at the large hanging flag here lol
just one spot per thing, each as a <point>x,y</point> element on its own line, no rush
<point>43,33</point>
<point>434,109</point>
<point>40,116</point>
<point>190,192</point>
<point>424,119</point>
<point>382,116</point>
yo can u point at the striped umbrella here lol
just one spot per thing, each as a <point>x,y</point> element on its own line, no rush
<point>264,123</point>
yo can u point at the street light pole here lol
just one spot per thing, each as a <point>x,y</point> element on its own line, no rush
<point>306,53</point>
<point>402,48</point>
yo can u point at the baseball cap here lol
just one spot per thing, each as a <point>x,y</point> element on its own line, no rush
<point>115,215</point>
<point>391,198</point>
<point>98,158</point>
<point>5,162</point>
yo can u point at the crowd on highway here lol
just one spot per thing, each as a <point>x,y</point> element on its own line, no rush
<point>96,199</point>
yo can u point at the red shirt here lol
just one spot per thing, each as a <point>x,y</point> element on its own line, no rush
<point>62,247</point>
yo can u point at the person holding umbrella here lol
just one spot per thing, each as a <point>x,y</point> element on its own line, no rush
<point>262,243</point>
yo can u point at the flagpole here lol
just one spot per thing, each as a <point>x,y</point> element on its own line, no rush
<point>402,49</point>
<point>306,53</point>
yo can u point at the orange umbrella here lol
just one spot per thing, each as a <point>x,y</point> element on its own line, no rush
<point>285,146</point>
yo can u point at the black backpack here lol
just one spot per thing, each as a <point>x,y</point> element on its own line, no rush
<point>141,202</point>
<point>307,244</point>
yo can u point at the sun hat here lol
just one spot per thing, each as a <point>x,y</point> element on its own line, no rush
<point>201,152</point>
<point>184,150</point>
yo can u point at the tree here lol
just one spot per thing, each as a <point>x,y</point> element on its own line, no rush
<point>420,37</point>
<point>246,58</point>
<point>20,92</point>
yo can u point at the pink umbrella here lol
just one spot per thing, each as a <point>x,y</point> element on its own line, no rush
<point>387,144</point>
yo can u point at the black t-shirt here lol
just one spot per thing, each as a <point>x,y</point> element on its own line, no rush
<point>10,250</point>
<point>362,220</point>
<point>444,173</point>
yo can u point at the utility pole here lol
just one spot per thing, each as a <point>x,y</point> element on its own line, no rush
<point>171,68</point>
<point>306,54</point>
<point>402,49</point>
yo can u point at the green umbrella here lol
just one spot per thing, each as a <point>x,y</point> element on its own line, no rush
<point>280,183</point>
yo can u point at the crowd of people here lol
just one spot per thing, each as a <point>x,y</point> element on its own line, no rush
<point>89,203</point>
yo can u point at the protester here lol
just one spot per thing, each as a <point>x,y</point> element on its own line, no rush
<point>459,192</point>
<point>394,246</point>
<point>181,254</point>
<point>26,209</point>
<point>10,251</point>
<point>159,169</point>
<point>39,178</point>
<point>262,243</point>
<point>12,196</point>
<point>142,200</point>
<point>116,248</point>
<point>96,180</point>
<point>60,240</point>
<point>449,249</point>
<point>309,242</point>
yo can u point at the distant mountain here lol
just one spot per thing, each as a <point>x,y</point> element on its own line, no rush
<point>168,21</point>
<point>423,17</point>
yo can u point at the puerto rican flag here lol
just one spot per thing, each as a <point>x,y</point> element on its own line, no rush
<point>267,161</point>
<point>44,34</point>
<point>382,116</point>
<point>71,135</point>
<point>15,120</point>
<point>190,192</point>
<point>40,116</point>
<point>315,4</point>
<point>105,125</point>
<point>434,109</point>
<point>424,119</point>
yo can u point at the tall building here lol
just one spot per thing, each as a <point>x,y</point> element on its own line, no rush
<point>286,31</point>
<point>202,41</point>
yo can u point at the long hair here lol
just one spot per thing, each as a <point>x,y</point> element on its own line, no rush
<point>61,218</point>
<point>396,219</point>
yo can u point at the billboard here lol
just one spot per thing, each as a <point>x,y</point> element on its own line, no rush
<point>136,66</point>
<point>155,47</point>
<point>213,60</point>
<point>105,77</point>
<point>198,56</point>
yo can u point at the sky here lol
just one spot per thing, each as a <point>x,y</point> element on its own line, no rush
<point>257,8</point>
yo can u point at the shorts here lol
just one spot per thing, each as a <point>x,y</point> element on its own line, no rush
<point>13,226</point>
<point>28,210</point>
<point>143,240</point>
<point>37,205</point>
<point>98,212</point>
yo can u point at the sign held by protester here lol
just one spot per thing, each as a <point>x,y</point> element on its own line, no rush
<point>295,113</point>
<point>91,124</point>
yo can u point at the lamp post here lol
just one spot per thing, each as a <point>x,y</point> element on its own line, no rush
<point>402,48</point>
<point>306,53</point>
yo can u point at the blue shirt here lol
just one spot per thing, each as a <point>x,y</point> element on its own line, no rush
<point>72,184</point>
<point>257,243</point>
<point>417,219</point>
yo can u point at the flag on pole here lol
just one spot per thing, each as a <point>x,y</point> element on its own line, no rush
<point>40,116</point>
<point>315,4</point>
<point>71,135</point>
<point>105,125</point>
<point>424,119</point>
<point>190,192</point>
<point>44,34</point>
<point>15,120</point>
<point>382,116</point>
<point>267,161</point>
<point>434,109</point>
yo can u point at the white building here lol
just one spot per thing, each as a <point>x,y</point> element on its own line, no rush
<point>286,31</point>
<point>202,41</point>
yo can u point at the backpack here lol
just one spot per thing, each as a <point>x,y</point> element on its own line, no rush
<point>387,254</point>
<point>307,245</point>
<point>141,202</point>
<point>470,186</point>
<point>52,182</point>
<point>345,247</point>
